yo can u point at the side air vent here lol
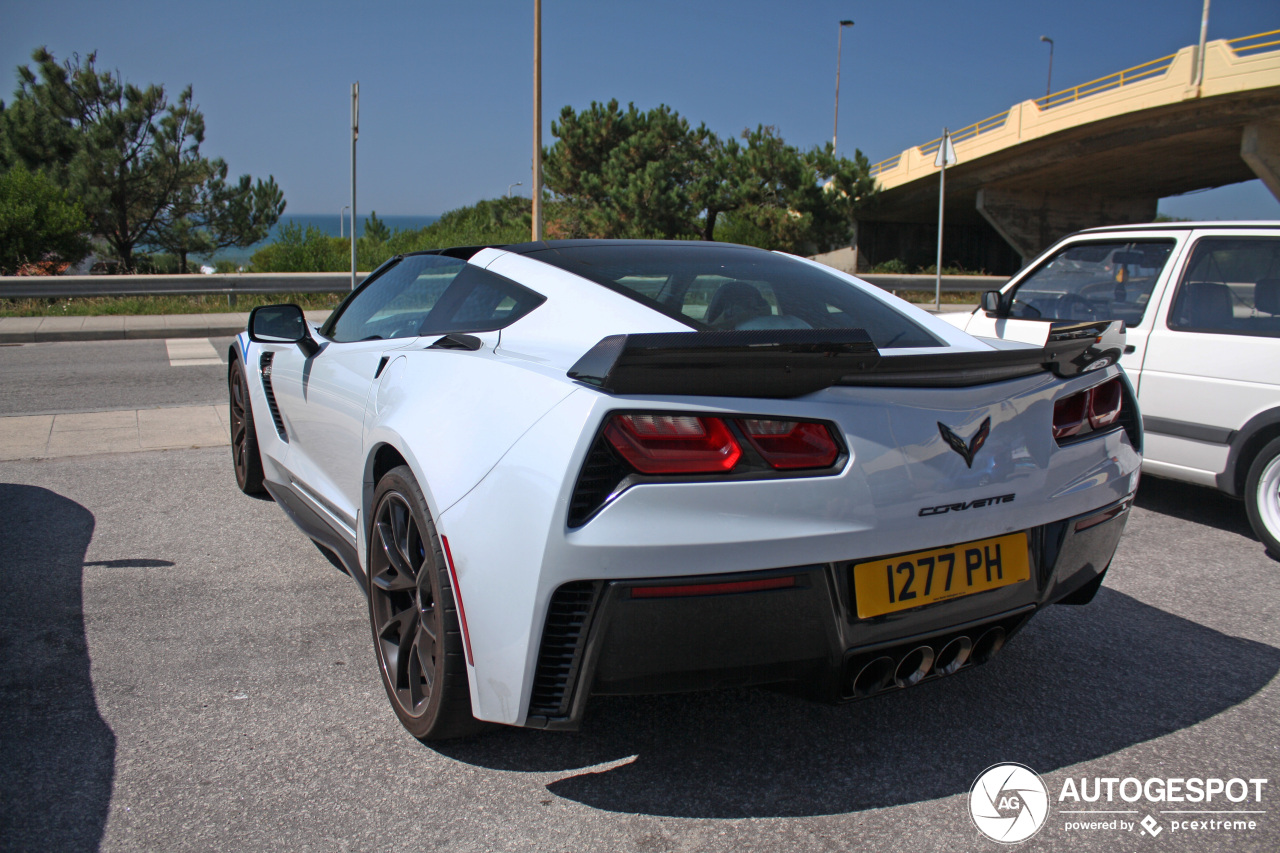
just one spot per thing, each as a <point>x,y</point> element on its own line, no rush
<point>264,367</point>
<point>601,474</point>
<point>560,655</point>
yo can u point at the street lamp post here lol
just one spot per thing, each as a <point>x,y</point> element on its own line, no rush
<point>835,127</point>
<point>355,134</point>
<point>342,213</point>
<point>1048,87</point>
<point>510,187</point>
<point>537,120</point>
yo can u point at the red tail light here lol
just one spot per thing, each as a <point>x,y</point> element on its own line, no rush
<point>1070,415</point>
<point>791,444</point>
<point>1104,404</point>
<point>1081,413</point>
<point>673,444</point>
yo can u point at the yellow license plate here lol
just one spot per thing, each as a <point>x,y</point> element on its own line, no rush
<point>897,583</point>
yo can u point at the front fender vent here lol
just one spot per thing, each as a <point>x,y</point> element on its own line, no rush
<point>264,368</point>
<point>564,637</point>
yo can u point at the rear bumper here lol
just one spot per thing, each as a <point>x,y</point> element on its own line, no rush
<point>794,625</point>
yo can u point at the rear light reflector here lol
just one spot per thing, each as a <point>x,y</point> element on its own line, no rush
<point>684,590</point>
<point>1095,408</point>
<point>791,445</point>
<point>673,444</point>
<point>1102,517</point>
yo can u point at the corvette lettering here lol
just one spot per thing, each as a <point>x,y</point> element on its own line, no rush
<point>974,504</point>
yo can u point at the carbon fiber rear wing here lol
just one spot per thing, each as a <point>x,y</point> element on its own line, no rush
<point>782,363</point>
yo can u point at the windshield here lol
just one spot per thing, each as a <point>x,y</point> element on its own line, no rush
<point>724,287</point>
<point>1105,280</point>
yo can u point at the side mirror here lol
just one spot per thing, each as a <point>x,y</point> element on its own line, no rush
<point>282,324</point>
<point>992,302</point>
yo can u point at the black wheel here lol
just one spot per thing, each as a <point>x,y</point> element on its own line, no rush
<point>244,441</point>
<point>413,615</point>
<point>1262,496</point>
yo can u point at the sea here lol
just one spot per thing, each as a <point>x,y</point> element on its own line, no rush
<point>326,222</point>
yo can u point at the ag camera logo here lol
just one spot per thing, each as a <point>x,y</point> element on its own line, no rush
<point>1008,803</point>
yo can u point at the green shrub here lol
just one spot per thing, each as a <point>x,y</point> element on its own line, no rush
<point>38,221</point>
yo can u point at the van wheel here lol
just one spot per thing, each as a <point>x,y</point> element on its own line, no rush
<point>1262,496</point>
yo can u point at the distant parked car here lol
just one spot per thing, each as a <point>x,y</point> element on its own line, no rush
<point>1201,304</point>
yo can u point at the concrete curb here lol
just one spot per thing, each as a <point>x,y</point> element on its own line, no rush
<point>29,330</point>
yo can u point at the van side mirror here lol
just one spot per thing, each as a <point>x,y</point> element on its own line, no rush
<point>992,302</point>
<point>282,324</point>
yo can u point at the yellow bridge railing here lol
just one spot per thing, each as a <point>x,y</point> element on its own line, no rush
<point>1243,46</point>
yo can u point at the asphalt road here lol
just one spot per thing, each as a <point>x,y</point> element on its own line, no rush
<point>181,670</point>
<point>50,378</point>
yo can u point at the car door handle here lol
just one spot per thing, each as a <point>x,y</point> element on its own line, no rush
<point>381,365</point>
<point>1130,349</point>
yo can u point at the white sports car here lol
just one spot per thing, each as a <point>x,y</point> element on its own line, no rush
<point>578,468</point>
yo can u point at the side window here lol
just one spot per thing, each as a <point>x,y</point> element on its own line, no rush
<point>479,301</point>
<point>1231,286</point>
<point>397,302</point>
<point>1094,281</point>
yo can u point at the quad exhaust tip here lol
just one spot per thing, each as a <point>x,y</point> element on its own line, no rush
<point>988,644</point>
<point>873,677</point>
<point>954,655</point>
<point>908,669</point>
<point>914,666</point>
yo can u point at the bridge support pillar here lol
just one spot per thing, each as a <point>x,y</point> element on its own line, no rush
<point>1030,222</point>
<point>1260,148</point>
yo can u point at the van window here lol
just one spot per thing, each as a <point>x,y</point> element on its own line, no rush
<point>1231,286</point>
<point>1103,280</point>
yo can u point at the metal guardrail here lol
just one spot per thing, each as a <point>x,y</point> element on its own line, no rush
<point>1247,45</point>
<point>229,284</point>
<point>1243,46</point>
<point>950,283</point>
<point>1135,74</point>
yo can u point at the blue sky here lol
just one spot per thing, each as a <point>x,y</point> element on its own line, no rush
<point>446,87</point>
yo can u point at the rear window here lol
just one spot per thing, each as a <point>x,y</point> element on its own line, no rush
<point>722,287</point>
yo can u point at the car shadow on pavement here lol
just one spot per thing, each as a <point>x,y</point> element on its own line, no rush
<point>1078,684</point>
<point>57,755</point>
<point>1198,504</point>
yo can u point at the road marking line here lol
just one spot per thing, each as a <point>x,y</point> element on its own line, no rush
<point>189,352</point>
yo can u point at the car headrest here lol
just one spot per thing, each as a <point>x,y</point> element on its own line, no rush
<point>1266,295</point>
<point>1204,305</point>
<point>735,301</point>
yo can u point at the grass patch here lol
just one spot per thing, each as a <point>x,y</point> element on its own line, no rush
<point>97,306</point>
<point>920,297</point>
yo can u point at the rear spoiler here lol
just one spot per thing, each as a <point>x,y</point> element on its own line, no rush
<point>782,363</point>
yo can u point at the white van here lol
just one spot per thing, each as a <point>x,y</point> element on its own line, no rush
<point>1201,306</point>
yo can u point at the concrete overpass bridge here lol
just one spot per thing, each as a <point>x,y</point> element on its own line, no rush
<point>1100,153</point>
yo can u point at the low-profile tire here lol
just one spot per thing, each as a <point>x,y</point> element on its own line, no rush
<point>413,615</point>
<point>244,440</point>
<point>1262,496</point>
